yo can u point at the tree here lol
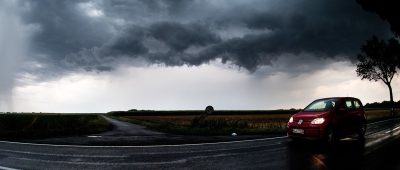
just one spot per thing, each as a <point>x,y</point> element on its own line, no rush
<point>386,9</point>
<point>378,61</point>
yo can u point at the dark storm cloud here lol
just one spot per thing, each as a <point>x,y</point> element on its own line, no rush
<point>172,6</point>
<point>248,34</point>
<point>264,21</point>
<point>179,37</point>
<point>63,29</point>
<point>323,28</point>
<point>128,43</point>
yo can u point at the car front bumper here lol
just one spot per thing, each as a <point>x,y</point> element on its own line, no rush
<point>311,132</point>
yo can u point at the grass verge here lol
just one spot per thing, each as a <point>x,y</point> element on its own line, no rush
<point>32,126</point>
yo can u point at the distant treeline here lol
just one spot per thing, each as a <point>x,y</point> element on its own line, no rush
<point>197,112</point>
<point>135,112</point>
<point>384,104</point>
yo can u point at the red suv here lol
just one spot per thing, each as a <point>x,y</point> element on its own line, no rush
<point>329,119</point>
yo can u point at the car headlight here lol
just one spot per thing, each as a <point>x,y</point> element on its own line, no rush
<point>318,121</point>
<point>291,120</point>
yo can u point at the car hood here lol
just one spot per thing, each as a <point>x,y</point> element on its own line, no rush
<point>308,116</point>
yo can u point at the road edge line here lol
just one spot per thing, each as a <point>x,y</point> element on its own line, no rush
<point>147,146</point>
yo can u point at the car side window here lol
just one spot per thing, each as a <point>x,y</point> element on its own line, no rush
<point>357,104</point>
<point>348,104</point>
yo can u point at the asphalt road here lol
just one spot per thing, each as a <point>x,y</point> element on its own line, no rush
<point>269,153</point>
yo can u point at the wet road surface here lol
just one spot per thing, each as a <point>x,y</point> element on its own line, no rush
<point>270,153</point>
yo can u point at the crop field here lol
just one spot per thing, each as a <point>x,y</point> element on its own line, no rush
<point>254,121</point>
<point>248,122</point>
<point>378,114</point>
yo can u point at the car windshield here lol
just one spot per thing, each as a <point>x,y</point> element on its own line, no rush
<point>321,105</point>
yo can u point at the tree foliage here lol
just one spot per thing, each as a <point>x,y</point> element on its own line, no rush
<point>386,9</point>
<point>378,60</point>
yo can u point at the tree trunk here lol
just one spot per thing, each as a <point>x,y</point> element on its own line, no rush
<point>391,100</point>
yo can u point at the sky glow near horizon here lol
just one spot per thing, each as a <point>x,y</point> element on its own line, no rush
<point>103,55</point>
<point>192,88</point>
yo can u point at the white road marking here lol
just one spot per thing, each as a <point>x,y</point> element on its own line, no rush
<point>151,146</point>
<point>374,142</point>
<point>101,163</point>
<point>6,168</point>
<point>62,155</point>
<point>393,129</point>
<point>125,156</point>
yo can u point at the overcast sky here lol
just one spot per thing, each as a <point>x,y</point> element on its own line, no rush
<point>103,55</point>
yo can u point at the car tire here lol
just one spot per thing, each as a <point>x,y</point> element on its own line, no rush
<point>361,131</point>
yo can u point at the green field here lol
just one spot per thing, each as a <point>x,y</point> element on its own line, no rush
<point>23,126</point>
<point>223,122</point>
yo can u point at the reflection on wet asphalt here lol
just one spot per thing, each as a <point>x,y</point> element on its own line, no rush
<point>349,153</point>
<point>346,154</point>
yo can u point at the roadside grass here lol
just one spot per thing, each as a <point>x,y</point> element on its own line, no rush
<point>374,115</point>
<point>32,126</point>
<point>240,122</point>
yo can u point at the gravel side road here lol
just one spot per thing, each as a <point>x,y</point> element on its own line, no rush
<point>128,129</point>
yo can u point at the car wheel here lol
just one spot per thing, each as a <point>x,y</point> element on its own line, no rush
<point>361,131</point>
